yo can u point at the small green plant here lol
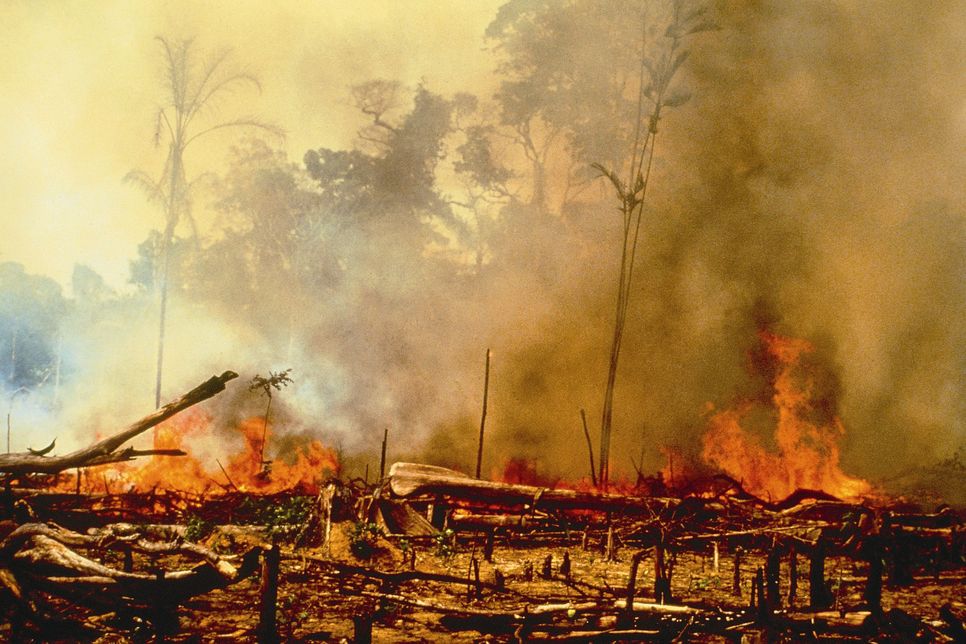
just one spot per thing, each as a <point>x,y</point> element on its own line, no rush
<point>362,541</point>
<point>274,381</point>
<point>197,528</point>
<point>445,544</point>
<point>405,546</point>
<point>281,517</point>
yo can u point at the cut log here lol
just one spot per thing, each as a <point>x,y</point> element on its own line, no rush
<point>409,480</point>
<point>41,556</point>
<point>104,451</point>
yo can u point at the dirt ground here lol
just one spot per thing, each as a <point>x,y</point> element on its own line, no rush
<point>318,603</point>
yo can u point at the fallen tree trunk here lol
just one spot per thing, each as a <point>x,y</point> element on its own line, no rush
<point>409,480</point>
<point>42,557</point>
<point>102,452</point>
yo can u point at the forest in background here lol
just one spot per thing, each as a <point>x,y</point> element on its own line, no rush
<point>803,183</point>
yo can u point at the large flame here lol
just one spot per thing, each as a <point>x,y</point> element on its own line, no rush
<point>805,452</point>
<point>254,468</point>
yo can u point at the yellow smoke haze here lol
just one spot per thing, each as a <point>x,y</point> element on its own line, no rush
<point>82,82</point>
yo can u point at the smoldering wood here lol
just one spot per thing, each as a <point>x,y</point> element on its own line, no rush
<point>410,480</point>
<point>105,451</point>
<point>690,528</point>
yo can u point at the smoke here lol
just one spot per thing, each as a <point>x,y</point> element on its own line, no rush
<point>810,187</point>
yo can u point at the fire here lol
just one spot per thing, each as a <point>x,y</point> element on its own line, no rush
<point>253,469</point>
<point>805,452</point>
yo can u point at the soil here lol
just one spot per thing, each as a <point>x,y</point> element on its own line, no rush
<point>318,603</point>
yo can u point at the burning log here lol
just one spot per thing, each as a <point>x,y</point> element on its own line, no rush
<point>103,452</point>
<point>407,480</point>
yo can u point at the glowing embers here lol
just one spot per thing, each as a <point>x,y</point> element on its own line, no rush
<point>216,464</point>
<point>776,444</point>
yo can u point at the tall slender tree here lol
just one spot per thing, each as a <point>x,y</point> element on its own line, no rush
<point>193,85</point>
<point>658,63</point>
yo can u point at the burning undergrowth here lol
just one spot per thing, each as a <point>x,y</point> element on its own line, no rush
<point>801,447</point>
<point>246,457</point>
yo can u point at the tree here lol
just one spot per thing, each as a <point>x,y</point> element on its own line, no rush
<point>658,65</point>
<point>192,88</point>
<point>271,259</point>
<point>32,309</point>
<point>385,190</point>
<point>595,74</point>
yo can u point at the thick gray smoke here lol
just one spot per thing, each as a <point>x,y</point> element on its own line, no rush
<point>811,187</point>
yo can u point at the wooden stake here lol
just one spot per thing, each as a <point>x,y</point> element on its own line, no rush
<point>486,391</point>
<point>773,599</point>
<point>609,553</point>
<point>818,593</point>
<point>762,604</point>
<point>362,628</point>
<point>736,579</point>
<point>268,593</point>
<point>382,459</point>
<point>662,578</point>
<point>628,619</point>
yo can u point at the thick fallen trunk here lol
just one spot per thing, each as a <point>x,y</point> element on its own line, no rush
<point>43,557</point>
<point>102,452</point>
<point>408,480</point>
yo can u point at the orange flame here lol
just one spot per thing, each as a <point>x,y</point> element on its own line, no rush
<point>304,469</point>
<point>806,453</point>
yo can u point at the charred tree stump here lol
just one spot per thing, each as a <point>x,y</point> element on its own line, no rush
<point>488,540</point>
<point>362,628</point>
<point>900,572</point>
<point>662,574</point>
<point>546,571</point>
<point>773,600</point>
<point>819,595</point>
<point>437,514</point>
<point>476,589</point>
<point>627,619</point>
<point>165,617</point>
<point>762,604</point>
<point>268,596</point>
<point>565,566</point>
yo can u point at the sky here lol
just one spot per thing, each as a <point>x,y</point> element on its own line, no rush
<point>816,176</point>
<point>82,83</point>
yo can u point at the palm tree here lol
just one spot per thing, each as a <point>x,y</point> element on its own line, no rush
<point>192,88</point>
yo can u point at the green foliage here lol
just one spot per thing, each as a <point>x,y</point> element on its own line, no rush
<point>283,517</point>
<point>444,545</point>
<point>197,528</point>
<point>362,541</point>
<point>274,381</point>
<point>32,310</point>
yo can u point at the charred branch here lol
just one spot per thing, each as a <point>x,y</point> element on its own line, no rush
<point>105,451</point>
